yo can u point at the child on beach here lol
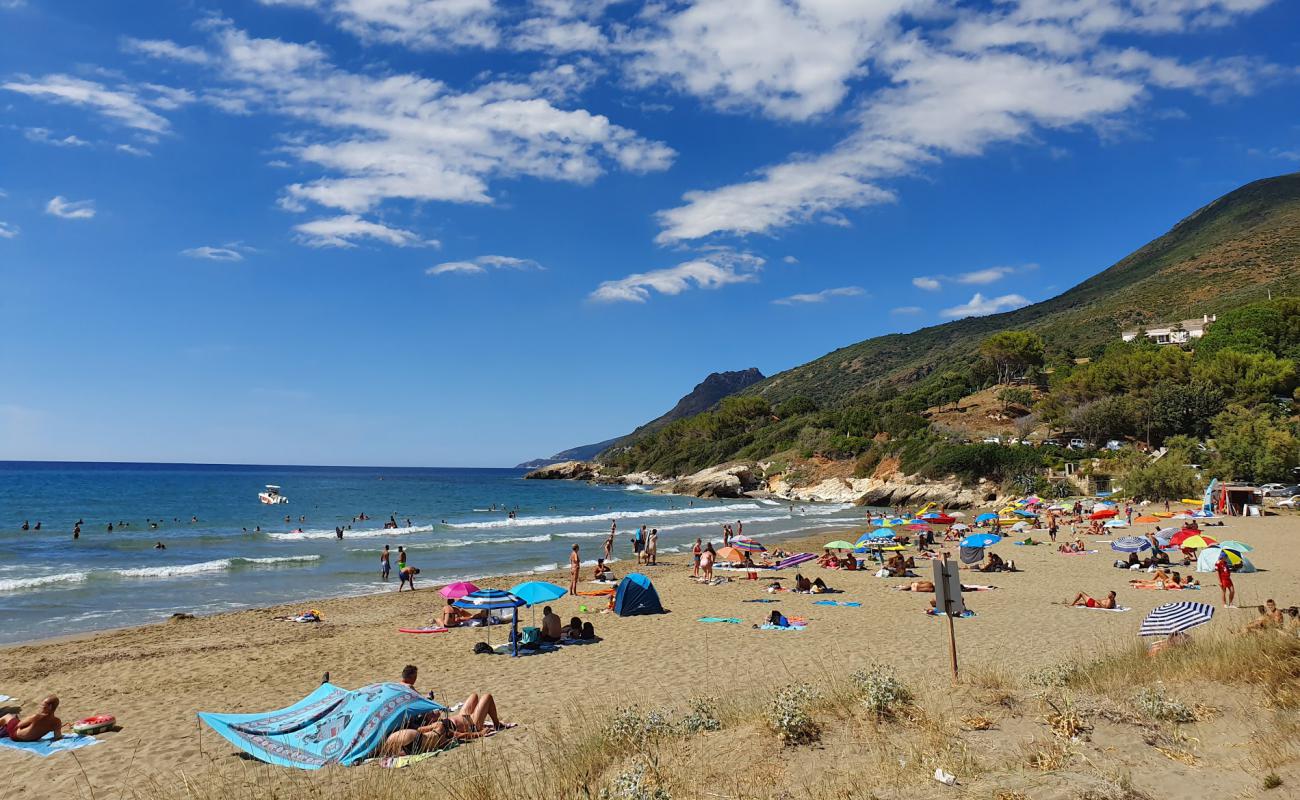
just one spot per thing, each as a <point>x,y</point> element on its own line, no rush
<point>696,550</point>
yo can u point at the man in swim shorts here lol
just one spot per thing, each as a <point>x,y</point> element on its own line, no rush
<point>407,575</point>
<point>36,726</point>
<point>1082,599</point>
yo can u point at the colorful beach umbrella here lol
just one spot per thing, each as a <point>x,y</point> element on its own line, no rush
<point>488,600</point>
<point>878,535</point>
<point>981,540</point>
<point>453,591</point>
<point>959,527</point>
<point>1212,554</point>
<point>1171,618</point>
<point>1236,546</point>
<point>1105,513</point>
<point>1130,544</point>
<point>537,592</point>
<point>1116,523</point>
<point>1198,542</point>
<point>839,544</point>
<point>1147,518</point>
<point>746,545</point>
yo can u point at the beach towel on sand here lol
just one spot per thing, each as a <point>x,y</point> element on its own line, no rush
<point>329,726</point>
<point>767,626</point>
<point>1096,608</point>
<point>728,620</point>
<point>48,747</point>
<point>836,603</point>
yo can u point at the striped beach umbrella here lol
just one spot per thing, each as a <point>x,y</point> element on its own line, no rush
<point>1198,542</point>
<point>1130,544</point>
<point>747,545</point>
<point>488,600</point>
<point>1174,618</point>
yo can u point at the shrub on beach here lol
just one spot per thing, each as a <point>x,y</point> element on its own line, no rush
<point>883,694</point>
<point>629,728</point>
<point>790,715</point>
<point>702,716</point>
<point>635,783</point>
<point>1153,702</point>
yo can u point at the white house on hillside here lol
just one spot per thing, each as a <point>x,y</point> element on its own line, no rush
<point>1174,332</point>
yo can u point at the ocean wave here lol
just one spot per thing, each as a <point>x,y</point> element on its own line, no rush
<point>636,487</point>
<point>217,565</point>
<point>524,522</point>
<point>367,533</point>
<point>18,584</point>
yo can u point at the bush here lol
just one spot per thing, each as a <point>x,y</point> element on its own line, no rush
<point>1162,480</point>
<point>790,715</point>
<point>631,784</point>
<point>702,716</point>
<point>1154,703</point>
<point>629,728</point>
<point>883,694</point>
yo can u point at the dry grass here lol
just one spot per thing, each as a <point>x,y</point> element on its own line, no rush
<point>674,756</point>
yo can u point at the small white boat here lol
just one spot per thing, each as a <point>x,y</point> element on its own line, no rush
<point>272,496</point>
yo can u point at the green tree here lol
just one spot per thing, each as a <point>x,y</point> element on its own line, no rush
<point>1248,378</point>
<point>1254,445</point>
<point>1179,408</point>
<point>1015,396</point>
<point>1161,480</point>
<point>1109,417</point>
<point>1011,353</point>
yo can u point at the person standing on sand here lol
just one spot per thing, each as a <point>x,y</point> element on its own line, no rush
<point>609,541</point>
<point>574,564</point>
<point>706,561</point>
<point>1225,580</point>
<point>385,565</point>
<point>696,551</point>
<point>652,548</point>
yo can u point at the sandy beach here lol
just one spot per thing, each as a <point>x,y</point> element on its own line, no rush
<point>154,678</point>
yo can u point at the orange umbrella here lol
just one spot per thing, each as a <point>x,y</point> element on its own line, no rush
<point>730,554</point>
<point>1147,519</point>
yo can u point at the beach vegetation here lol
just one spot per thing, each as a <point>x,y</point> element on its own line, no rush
<point>883,694</point>
<point>1166,479</point>
<point>790,715</point>
<point>1156,704</point>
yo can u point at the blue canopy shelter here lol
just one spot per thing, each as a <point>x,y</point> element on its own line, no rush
<point>636,595</point>
<point>329,726</point>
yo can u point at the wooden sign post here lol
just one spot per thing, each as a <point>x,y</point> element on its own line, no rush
<point>947,601</point>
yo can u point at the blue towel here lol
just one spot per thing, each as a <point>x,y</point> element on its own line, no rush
<point>728,620</point>
<point>47,747</point>
<point>328,726</point>
<point>767,626</point>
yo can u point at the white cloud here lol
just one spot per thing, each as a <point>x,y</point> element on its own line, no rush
<point>131,149</point>
<point>8,231</point>
<point>906,310</point>
<point>229,252</point>
<point>131,106</point>
<point>790,260</point>
<point>927,283</point>
<point>64,208</point>
<point>980,305</point>
<point>980,277</point>
<point>949,85</point>
<point>166,49</point>
<point>44,136</point>
<point>791,59</point>
<point>402,136</point>
<point>345,230</point>
<point>482,264</point>
<point>820,297</point>
<point>422,24</point>
<point>710,271</point>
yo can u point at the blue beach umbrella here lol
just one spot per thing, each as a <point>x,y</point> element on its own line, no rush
<point>493,600</point>
<point>1026,513</point>
<point>1130,544</point>
<point>537,592</point>
<point>986,517</point>
<point>1174,618</point>
<point>981,540</point>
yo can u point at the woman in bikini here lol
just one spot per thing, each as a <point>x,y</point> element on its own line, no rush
<point>476,718</point>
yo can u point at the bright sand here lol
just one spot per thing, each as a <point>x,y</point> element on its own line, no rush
<point>154,678</point>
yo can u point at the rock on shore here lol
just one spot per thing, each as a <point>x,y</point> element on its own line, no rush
<point>727,480</point>
<point>566,471</point>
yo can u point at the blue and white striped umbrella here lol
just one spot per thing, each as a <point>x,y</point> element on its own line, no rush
<point>1174,618</point>
<point>1130,544</point>
<point>488,600</point>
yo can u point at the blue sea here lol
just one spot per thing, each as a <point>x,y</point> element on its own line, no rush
<point>225,550</point>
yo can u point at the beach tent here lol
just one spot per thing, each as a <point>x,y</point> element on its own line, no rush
<point>329,726</point>
<point>1206,560</point>
<point>636,595</point>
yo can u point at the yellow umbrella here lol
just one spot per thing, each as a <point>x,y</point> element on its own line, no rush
<point>1197,542</point>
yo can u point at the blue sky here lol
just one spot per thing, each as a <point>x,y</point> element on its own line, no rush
<point>468,232</point>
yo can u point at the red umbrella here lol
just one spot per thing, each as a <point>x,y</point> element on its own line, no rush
<point>1186,533</point>
<point>1105,513</point>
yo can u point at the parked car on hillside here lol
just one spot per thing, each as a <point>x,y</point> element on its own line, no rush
<point>992,440</point>
<point>1114,444</point>
<point>1279,490</point>
<point>1078,444</point>
<point>1051,443</point>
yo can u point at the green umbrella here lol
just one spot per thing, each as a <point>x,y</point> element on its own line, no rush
<point>839,544</point>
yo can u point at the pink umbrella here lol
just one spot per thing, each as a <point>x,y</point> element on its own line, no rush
<point>455,591</point>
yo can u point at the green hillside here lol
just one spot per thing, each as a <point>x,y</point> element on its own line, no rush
<point>880,401</point>
<point>1229,253</point>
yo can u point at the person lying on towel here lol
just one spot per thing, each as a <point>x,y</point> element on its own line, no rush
<point>36,726</point>
<point>476,718</point>
<point>1082,599</point>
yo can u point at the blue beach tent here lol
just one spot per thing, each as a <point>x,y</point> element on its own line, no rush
<point>329,726</point>
<point>636,595</point>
